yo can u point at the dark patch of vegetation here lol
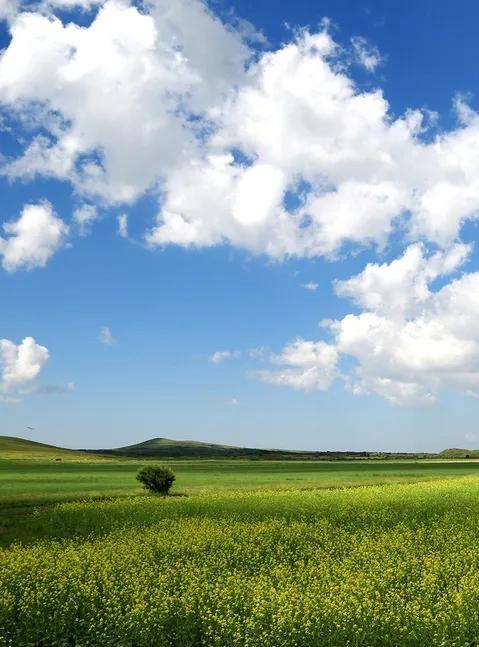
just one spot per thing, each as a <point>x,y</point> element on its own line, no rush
<point>156,478</point>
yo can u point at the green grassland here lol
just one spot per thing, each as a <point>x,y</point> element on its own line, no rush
<point>249,553</point>
<point>36,481</point>
<point>34,474</point>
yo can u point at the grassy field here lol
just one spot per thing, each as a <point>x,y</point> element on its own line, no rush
<point>387,566</point>
<point>256,553</point>
<point>29,482</point>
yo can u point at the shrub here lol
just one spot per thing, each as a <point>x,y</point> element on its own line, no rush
<point>156,478</point>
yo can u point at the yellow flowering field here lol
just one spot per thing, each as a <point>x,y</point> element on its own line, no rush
<point>387,566</point>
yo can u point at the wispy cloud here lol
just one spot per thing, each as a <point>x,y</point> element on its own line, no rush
<point>366,54</point>
<point>48,389</point>
<point>84,216</point>
<point>220,355</point>
<point>123,225</point>
<point>105,336</point>
<point>259,352</point>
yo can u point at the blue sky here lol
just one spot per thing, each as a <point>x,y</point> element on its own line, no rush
<point>297,265</point>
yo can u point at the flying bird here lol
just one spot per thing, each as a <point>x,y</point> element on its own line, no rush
<point>31,428</point>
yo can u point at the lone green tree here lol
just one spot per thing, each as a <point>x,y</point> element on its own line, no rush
<point>156,478</point>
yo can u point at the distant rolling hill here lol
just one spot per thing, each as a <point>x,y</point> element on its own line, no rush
<point>455,452</point>
<point>158,448</point>
<point>12,447</point>
<point>167,448</point>
<point>177,448</point>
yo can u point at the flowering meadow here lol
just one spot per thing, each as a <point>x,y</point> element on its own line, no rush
<point>387,566</point>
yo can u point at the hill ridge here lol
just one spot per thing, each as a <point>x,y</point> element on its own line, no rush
<point>15,447</point>
<point>161,447</point>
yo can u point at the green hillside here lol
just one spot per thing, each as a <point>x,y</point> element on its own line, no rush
<point>174,448</point>
<point>11,447</point>
<point>157,448</point>
<point>167,448</point>
<point>456,452</point>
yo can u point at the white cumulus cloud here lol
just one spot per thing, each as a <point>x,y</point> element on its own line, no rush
<point>31,240</point>
<point>401,288</point>
<point>304,365</point>
<point>302,126</point>
<point>20,364</point>
<point>114,98</point>
<point>408,343</point>
<point>136,102</point>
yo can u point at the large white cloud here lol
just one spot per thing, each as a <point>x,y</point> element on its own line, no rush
<point>163,99</point>
<point>32,239</point>
<point>20,364</point>
<point>409,342</point>
<point>302,127</point>
<point>116,97</point>
<point>401,288</point>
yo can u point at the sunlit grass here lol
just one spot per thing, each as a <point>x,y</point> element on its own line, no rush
<point>27,482</point>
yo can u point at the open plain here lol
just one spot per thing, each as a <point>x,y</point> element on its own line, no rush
<point>242,552</point>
